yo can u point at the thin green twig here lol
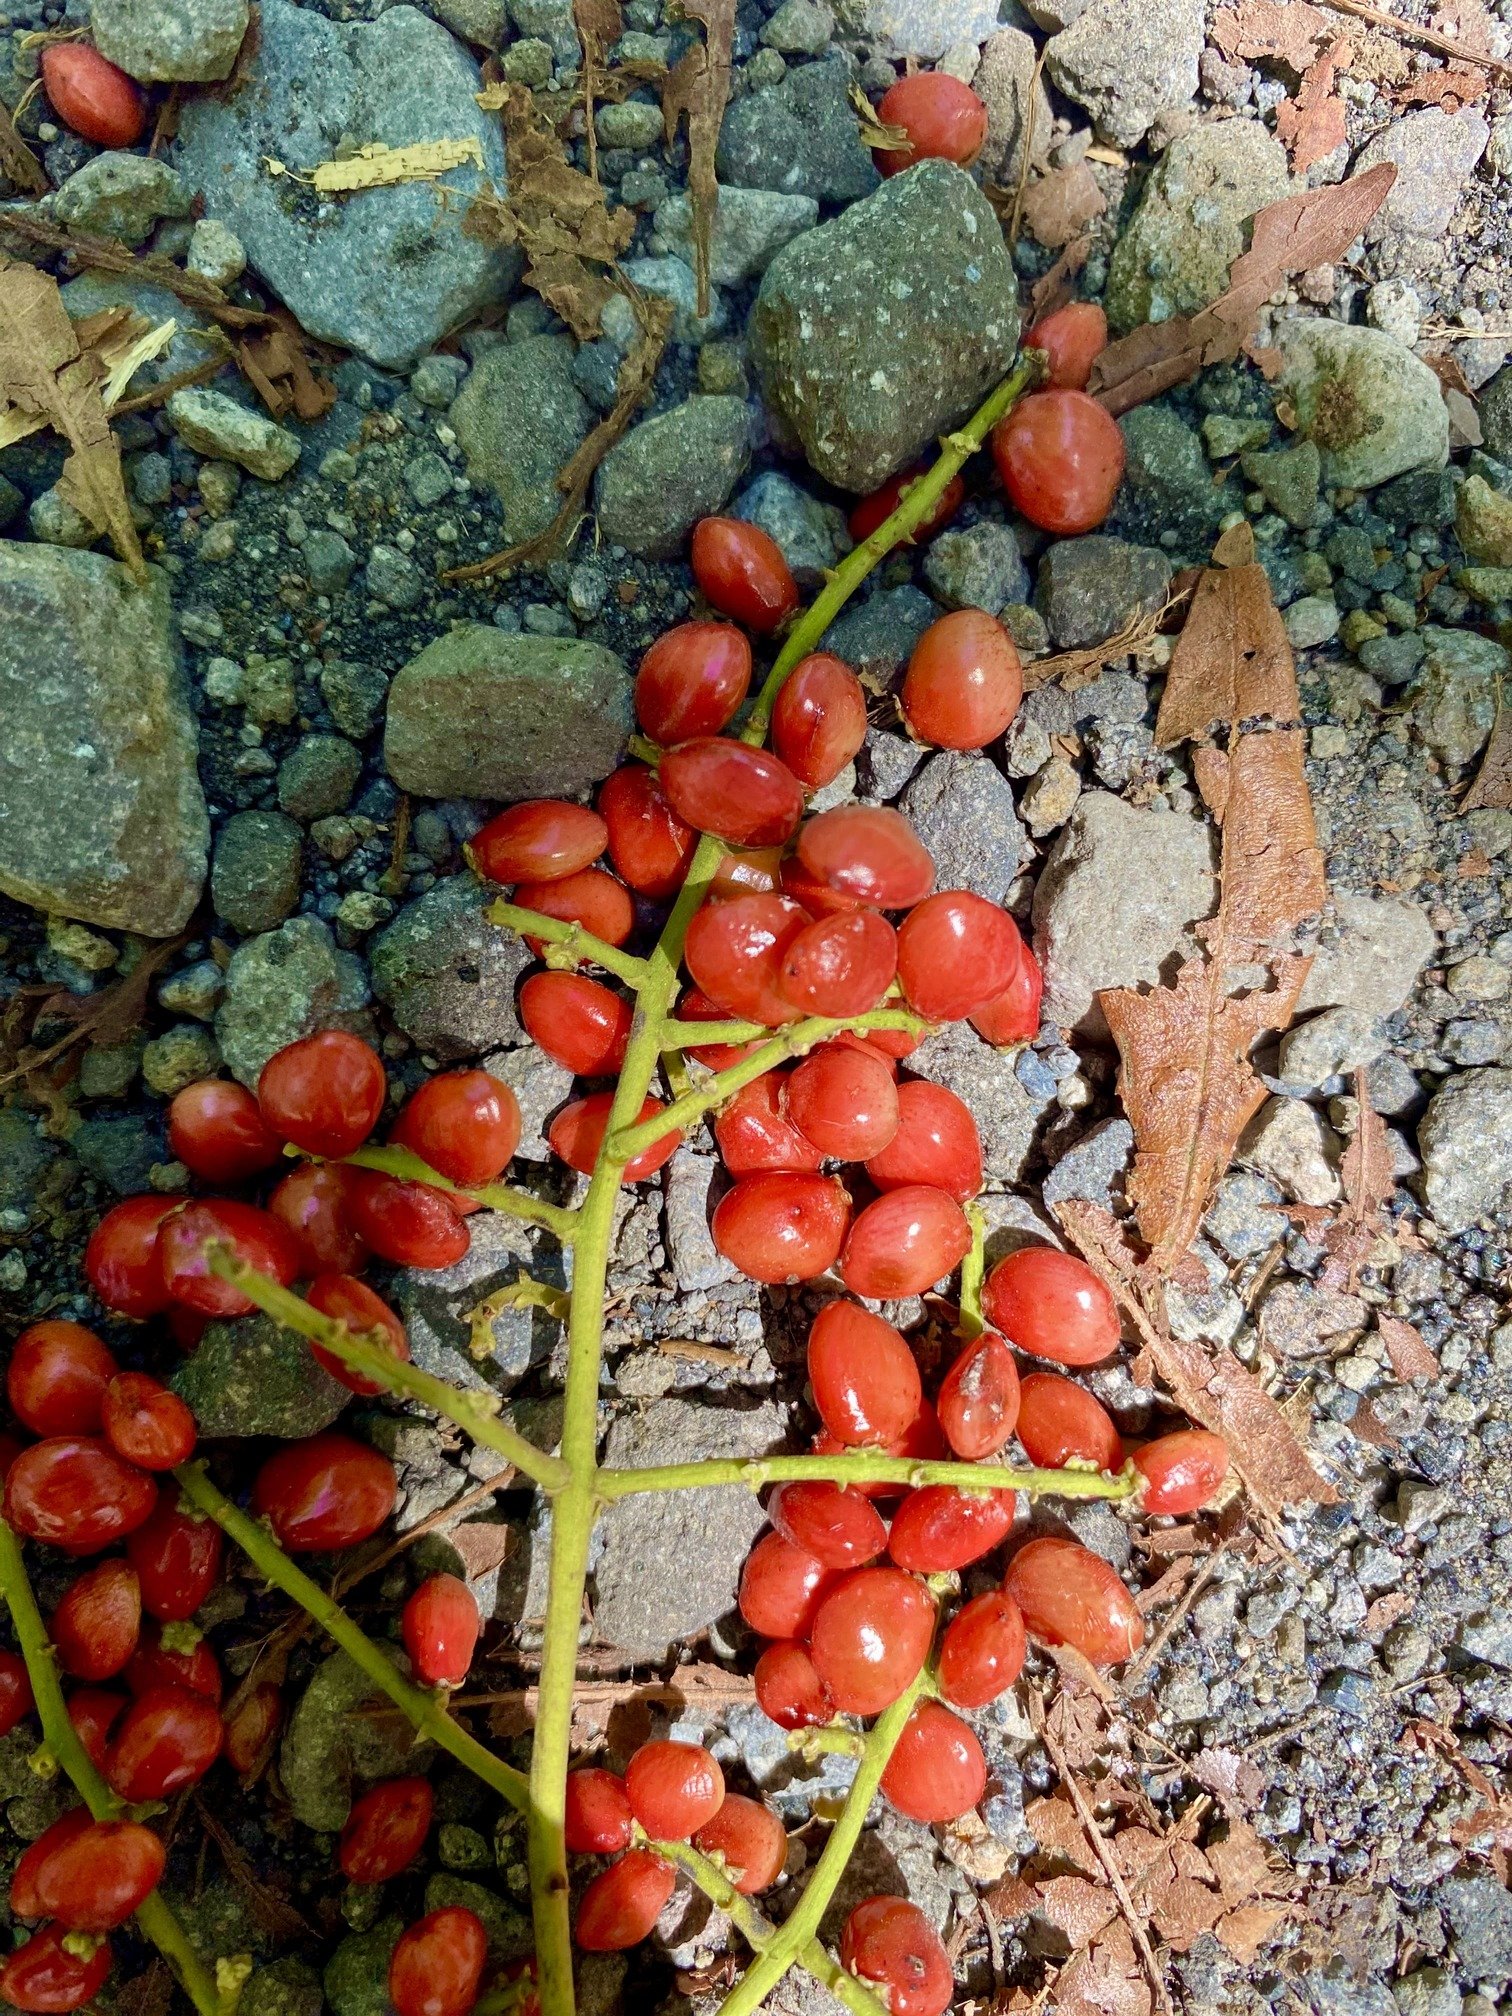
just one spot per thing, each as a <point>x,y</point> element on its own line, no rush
<point>973,1270</point>
<point>570,943</point>
<point>560,1220</point>
<point>863,1466</point>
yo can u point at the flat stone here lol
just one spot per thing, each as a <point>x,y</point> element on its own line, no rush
<point>1370,953</point>
<point>1454,696</point>
<point>1288,479</point>
<point>1007,85</point>
<point>1088,589</point>
<point>252,1377</point>
<point>212,423</point>
<point>918,27</point>
<point>520,419</point>
<point>961,806</point>
<point>447,975</point>
<point>1479,1910</point>
<point>1483,520</point>
<point>1093,1167</point>
<point>1465,1141</point>
<point>667,473</point>
<point>1340,1039</point>
<point>386,272</point>
<point>799,137</point>
<point>484,714</point>
<point>696,1260</point>
<point>170,41</point>
<point>282,985</point>
<point>101,813</point>
<point>751,226</point>
<point>1435,153</point>
<point>121,196</point>
<point>435,1304</point>
<point>876,637</point>
<point>874,334</point>
<point>254,882</point>
<point>977,567</point>
<point>1128,65</point>
<point>811,534</point>
<point>1374,410</point>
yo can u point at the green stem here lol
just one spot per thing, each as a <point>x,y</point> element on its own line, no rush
<point>688,1035</point>
<point>474,1412</point>
<point>834,1739</point>
<point>426,1711</point>
<point>155,1916</point>
<point>863,1466</point>
<point>572,941</point>
<point>407,1167</point>
<point>973,1269</point>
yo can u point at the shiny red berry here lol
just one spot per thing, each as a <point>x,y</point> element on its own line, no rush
<point>598,1820</point>
<point>57,1377</point>
<point>323,1093</point>
<point>819,719</point>
<point>314,1202</point>
<point>241,1231</point>
<point>782,1228</point>
<point>540,841</point>
<point>1061,458</point>
<point>577,1134</point>
<point>939,1529</point>
<point>326,1492</point>
<point>956,952</point>
<point>1071,1596</point>
<point>871,1635</point>
<point>75,1492</point>
<point>147,1423</point>
<point>982,1652</point>
<point>964,681</point>
<point>937,1771</point>
<point>869,853</point>
<point>943,119</point>
<point>465,1124</point>
<point>754,1131</point>
<point>408,1224</point>
<point>386,1829</point>
<point>936,1143</point>
<point>623,1902</point>
<point>742,572</point>
<point>177,1555</point>
<point>88,93</point>
<point>1182,1472</point>
<point>838,1527</point>
<point>673,1788</point>
<point>167,1739</point>
<point>749,1839</point>
<point>904,1242</point>
<point>781,1588</point>
<point>788,1688</point>
<point>1060,1421</point>
<point>121,1259</point>
<point>648,844</point>
<point>440,1627</point>
<point>744,795</point>
<point>691,681</point>
<point>889,1942</point>
<point>217,1129</point>
<point>978,1402</point>
<point>43,1975</point>
<point>580,1024</point>
<point>437,1965</point>
<point>1051,1305</point>
<point>1072,338</point>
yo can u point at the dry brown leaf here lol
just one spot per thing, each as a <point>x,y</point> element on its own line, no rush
<point>598,25</point>
<point>151,269</point>
<point>1449,88</point>
<point>1312,124</point>
<point>877,133</point>
<point>1232,661</point>
<point>1244,1931</point>
<point>1407,1349</point>
<point>278,368</point>
<point>1428,38</point>
<point>1285,31</point>
<point>1349,1236</point>
<point>1491,788</point>
<point>1053,289</point>
<point>483,1544</point>
<point>270,1910</point>
<point>18,164</point>
<point>1060,1835</point>
<point>147,1994</point>
<point>1077,1908</point>
<point>1057,205</point>
<point>1183,1910</point>
<point>1235,1781</point>
<point>1314,228</point>
<point>1105,1980</point>
<point>697,90</point>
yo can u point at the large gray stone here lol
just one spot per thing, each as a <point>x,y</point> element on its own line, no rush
<point>386,272</point>
<point>330,1741</point>
<point>961,806</point>
<point>667,473</point>
<point>1465,1140</point>
<point>121,195</point>
<point>1371,951</point>
<point>520,420</point>
<point>918,27</point>
<point>170,41</point>
<point>252,1377</point>
<point>436,1302</point>
<point>1435,153</point>
<point>1088,589</point>
<point>286,984</point>
<point>101,813</point>
<point>751,226</point>
<point>1009,85</point>
<point>1129,63</point>
<point>447,975</point>
<point>1454,694</point>
<point>877,332</point>
<point>483,714</point>
<point>800,136</point>
<point>1374,410</point>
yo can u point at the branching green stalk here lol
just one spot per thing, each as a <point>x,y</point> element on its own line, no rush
<point>475,1412</point>
<point>156,1917</point>
<point>690,1035</point>
<point>863,1466</point>
<point>559,1220</point>
<point>570,943</point>
<point>973,1270</point>
<point>426,1711</point>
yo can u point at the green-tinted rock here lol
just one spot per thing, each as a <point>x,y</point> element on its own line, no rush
<point>120,1152</point>
<point>667,473</point>
<point>101,813</point>
<point>483,714</point>
<point>25,1161</point>
<point>447,975</point>
<point>1454,701</point>
<point>1374,410</point>
<point>355,695</point>
<point>285,984</point>
<point>1175,252</point>
<point>254,879</point>
<point>1483,520</point>
<point>1494,410</point>
<point>250,1377</point>
<point>178,1057</point>
<point>801,137</point>
<point>318,776</point>
<point>750,227</point>
<point>508,1928</point>
<point>881,330</point>
<point>1227,434</point>
<point>286,1988</point>
<point>520,419</point>
<point>330,1742</point>
<point>213,423</point>
<point>1485,584</point>
<point>356,1976</point>
<point>121,196</point>
<point>1168,486</point>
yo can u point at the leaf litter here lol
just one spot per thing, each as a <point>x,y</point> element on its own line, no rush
<point>697,89</point>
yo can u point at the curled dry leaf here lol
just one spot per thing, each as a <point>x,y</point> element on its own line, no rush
<point>1284,31</point>
<point>1053,289</point>
<point>1407,1349</point>
<point>1491,789</point>
<point>598,26</point>
<point>1057,205</point>
<point>875,133</point>
<point>1312,124</point>
<point>697,90</point>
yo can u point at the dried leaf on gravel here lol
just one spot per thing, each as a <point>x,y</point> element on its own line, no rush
<point>1105,1980</point>
<point>1076,1907</point>
<point>1284,31</point>
<point>1313,228</point>
<point>104,1019</point>
<point>277,365</point>
<point>598,26</point>
<point>697,89</point>
<point>1459,82</point>
<point>875,133</point>
<point>150,269</point>
<point>1312,124</point>
<point>1235,1781</point>
<point>18,164</point>
<point>1060,1835</point>
<point>1059,204</point>
<point>1053,289</point>
<point>1491,789</point>
<point>1407,1349</point>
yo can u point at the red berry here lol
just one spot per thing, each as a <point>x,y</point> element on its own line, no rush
<point>1059,1420</point>
<point>740,569</point>
<point>871,1635</point>
<point>580,1024</point>
<point>836,1526</point>
<point>1051,1305</point>
<point>1182,1472</point>
<point>936,1144</point>
<point>789,1690</point>
<point>121,1259</point>
<point>313,1201</point>
<point>540,841</point>
<point>252,1727</point>
<point>869,853</point>
<point>819,719</point>
<point>673,1788</point>
<point>865,1378</point>
<point>982,1652</point>
<point>746,796</point>
<point>168,1738</point>
<point>781,1588</point>
<point>599,1819</point>
<point>904,1242</point>
<point>247,1233</point>
<point>691,681</point>
<point>735,951</point>
<point>94,1712</point>
<point>937,1771</point>
<point>438,1963</point>
<point>100,102</point>
<point>15,1691</point>
<point>1070,1596</point>
<point>465,1124</point>
<point>956,952</point>
<point>177,1555</point>
<point>754,1132</point>
<point>577,1134</point>
<point>779,1227</point>
<point>95,1627</point>
<point>328,1491</point>
<point>1014,1015</point>
<point>347,1300</point>
<point>153,1665</point>
<point>57,1376</point>
<point>648,844</point>
<point>216,1128</point>
<point>94,1880</point>
<point>872,511</point>
<point>440,1627</point>
<point>146,1423</point>
<point>408,1224</point>
<point>844,1100</point>
<point>590,898</point>
<point>1071,338</point>
<point>43,1975</point>
<point>1061,459</point>
<point>750,1840</point>
<point>840,965</point>
<point>817,898</point>
<point>75,1492</point>
<point>746,871</point>
<point>943,118</point>
<point>695,1006</point>
<point>890,1942</point>
<point>964,681</point>
<point>939,1529</point>
<point>24,1899</point>
<point>386,1829</point>
<point>979,1399</point>
<point>324,1093</point>
<point>623,1902</point>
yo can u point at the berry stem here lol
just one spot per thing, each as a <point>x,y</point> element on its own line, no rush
<point>970,1322</point>
<point>155,1917</point>
<point>572,941</point>
<point>863,1466</point>
<point>426,1711</point>
<point>560,1220</point>
<point>687,1035</point>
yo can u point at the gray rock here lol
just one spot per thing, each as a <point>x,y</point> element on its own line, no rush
<point>520,419</point>
<point>1114,901</point>
<point>1088,589</point>
<point>393,577</point>
<point>211,423</point>
<point>1465,1140</point>
<point>671,1560</point>
<point>329,561</point>
<point>101,813</point>
<point>1168,493</point>
<point>1241,1219</point>
<point>1290,1145</point>
<point>119,1152</point>
<point>669,472</point>
<point>540,1087</point>
<point>961,807</point>
<point>1370,953</point>
<point>1006,83</point>
<point>447,975</point>
<point>329,1744</point>
<point>1479,1910</point>
<point>318,776</point>
<point>508,1928</point>
<point>671,280</point>
<point>435,1304</point>
<point>799,28</point>
<point>354,693</point>
<point>750,227</point>
<point>254,879</point>
<point>282,985</point>
<point>170,41</point>
<point>1435,154</point>
<point>696,1260</point>
<point>977,567</point>
<point>1340,1039</point>
<point>55,520</point>
<point>800,137</point>
<point>389,271</point>
<point>1093,1167</point>
<point>356,1975</point>
<point>1007,1113</point>
<point>216,253</point>
<point>1127,66</point>
<point>252,1377</point>
<point>1288,479</point>
<point>1488,1635</point>
<point>1454,696</point>
<point>1495,411</point>
<point>636,124</point>
<point>919,27</point>
<point>1174,254</point>
<point>1311,620</point>
<point>812,535</point>
<point>863,387</point>
<point>121,196</point>
<point>481,713</point>
<point>876,637</point>
<point>1374,410</point>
